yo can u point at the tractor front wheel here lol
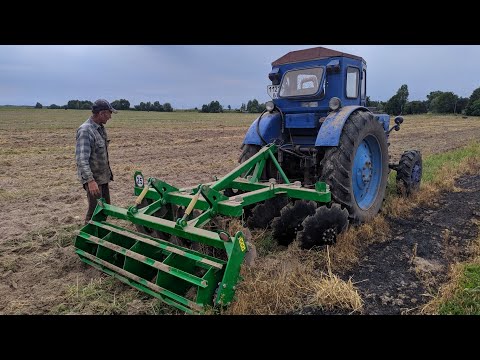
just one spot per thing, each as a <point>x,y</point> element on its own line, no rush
<point>409,172</point>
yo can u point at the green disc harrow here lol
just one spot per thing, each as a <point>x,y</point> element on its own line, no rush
<point>173,255</point>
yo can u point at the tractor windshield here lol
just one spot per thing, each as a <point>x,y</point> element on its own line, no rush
<point>301,82</point>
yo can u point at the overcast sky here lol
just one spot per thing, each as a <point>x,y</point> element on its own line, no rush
<point>189,76</point>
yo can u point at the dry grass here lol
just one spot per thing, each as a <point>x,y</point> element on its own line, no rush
<point>288,281</point>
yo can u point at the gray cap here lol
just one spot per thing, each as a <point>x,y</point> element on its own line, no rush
<point>102,104</point>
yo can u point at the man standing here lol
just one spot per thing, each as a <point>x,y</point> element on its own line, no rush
<point>91,153</point>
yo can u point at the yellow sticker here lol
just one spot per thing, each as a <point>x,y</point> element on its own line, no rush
<point>243,247</point>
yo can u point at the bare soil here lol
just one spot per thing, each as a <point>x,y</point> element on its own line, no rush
<point>401,275</point>
<point>43,204</point>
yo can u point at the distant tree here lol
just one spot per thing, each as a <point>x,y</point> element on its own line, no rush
<point>77,104</point>
<point>144,106</point>
<point>431,96</point>
<point>167,107</point>
<point>121,104</point>
<point>254,106</point>
<point>213,107</point>
<point>229,108</point>
<point>444,103</point>
<point>157,106</point>
<point>474,108</point>
<point>461,105</point>
<point>471,107</point>
<point>415,107</point>
<point>378,105</point>
<point>38,106</point>
<point>53,106</point>
<point>73,104</point>
<point>396,104</point>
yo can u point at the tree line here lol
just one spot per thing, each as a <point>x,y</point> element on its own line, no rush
<point>252,106</point>
<point>437,102</point>
<point>121,104</point>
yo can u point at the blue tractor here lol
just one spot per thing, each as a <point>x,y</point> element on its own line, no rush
<point>324,132</point>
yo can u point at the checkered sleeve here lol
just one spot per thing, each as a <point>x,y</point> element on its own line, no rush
<point>82,154</point>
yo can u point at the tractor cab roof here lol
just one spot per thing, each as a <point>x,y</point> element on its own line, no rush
<point>312,54</point>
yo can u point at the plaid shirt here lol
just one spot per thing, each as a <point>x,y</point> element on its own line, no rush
<point>91,153</point>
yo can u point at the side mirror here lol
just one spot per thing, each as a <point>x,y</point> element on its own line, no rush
<point>398,120</point>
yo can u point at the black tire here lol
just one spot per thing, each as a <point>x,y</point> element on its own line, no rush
<point>323,227</point>
<point>338,163</point>
<point>248,151</point>
<point>409,172</point>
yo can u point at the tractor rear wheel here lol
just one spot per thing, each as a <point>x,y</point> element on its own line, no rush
<point>357,169</point>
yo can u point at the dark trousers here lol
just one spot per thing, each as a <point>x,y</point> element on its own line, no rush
<point>92,200</point>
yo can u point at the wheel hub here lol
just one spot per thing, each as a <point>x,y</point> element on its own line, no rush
<point>366,172</point>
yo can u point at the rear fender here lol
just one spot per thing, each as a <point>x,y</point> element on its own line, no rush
<point>331,129</point>
<point>270,128</point>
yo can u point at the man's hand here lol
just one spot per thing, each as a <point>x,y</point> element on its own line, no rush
<point>93,188</point>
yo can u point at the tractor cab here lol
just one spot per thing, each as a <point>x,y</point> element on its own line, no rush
<point>306,80</point>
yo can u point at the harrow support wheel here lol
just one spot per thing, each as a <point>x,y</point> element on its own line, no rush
<point>322,227</point>
<point>148,231</point>
<point>285,226</point>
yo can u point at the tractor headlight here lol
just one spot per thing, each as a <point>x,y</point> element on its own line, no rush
<point>269,105</point>
<point>334,103</point>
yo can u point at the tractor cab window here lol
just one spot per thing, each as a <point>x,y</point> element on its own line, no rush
<point>301,82</point>
<point>353,75</point>
<point>364,84</point>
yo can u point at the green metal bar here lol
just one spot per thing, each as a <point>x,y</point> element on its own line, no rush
<point>269,191</point>
<point>235,208</point>
<point>279,168</point>
<point>118,273</point>
<point>146,260</point>
<point>225,181</point>
<point>170,227</point>
<point>257,171</point>
<point>165,245</point>
<point>202,219</point>
<point>227,286</point>
<point>224,207</point>
<point>152,208</point>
